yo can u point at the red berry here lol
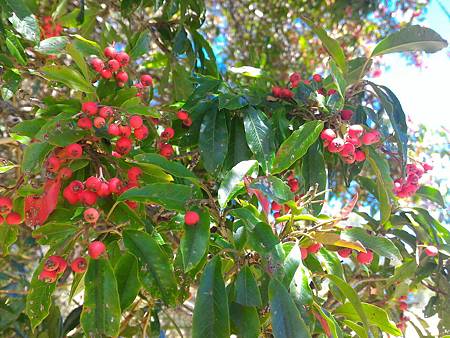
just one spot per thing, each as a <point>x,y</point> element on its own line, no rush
<point>120,84</point>
<point>346,114</point>
<point>187,122</point>
<point>65,173</point>
<point>110,52</point>
<point>71,196</point>
<point>431,251</point>
<point>286,93</point>
<point>355,141</point>
<point>365,257</point>
<point>84,123</point>
<point>62,265</point>
<point>93,183</point>
<point>99,122</point>
<point>53,164</point>
<point>124,131</point>
<point>48,276</point>
<point>317,78</point>
<point>134,173</point>
<point>347,150</point>
<point>182,115</point>
<point>91,215</point>
<point>79,265</point>
<point>276,91</point>
<point>191,218</point>
<point>74,150</point>
<point>105,112</point>
<point>136,122</point>
<point>141,133</point>
<point>89,108</point>
<point>123,58</point>
<point>97,64</point>
<point>124,145</point>
<point>314,248</point>
<point>115,185</point>
<point>360,156</point>
<point>113,65</point>
<point>6,205</point>
<point>166,150</point>
<point>328,135</point>
<point>355,131</point>
<point>104,190</point>
<point>371,137</point>
<point>293,184</point>
<point>146,80</point>
<point>276,206</point>
<point>344,253</point>
<point>88,197</point>
<point>113,129</point>
<point>331,92</point>
<point>96,249</point>
<point>132,204</point>
<point>403,306</point>
<point>13,218</point>
<point>336,145</point>
<point>168,133</point>
<point>53,263</point>
<point>106,74</point>
<point>294,79</point>
<point>122,76</point>
<point>304,253</point>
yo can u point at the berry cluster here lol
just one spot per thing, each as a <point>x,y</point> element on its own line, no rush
<point>348,147</point>
<point>117,125</point>
<point>6,212</point>
<point>166,149</point>
<point>403,306</point>
<point>49,28</point>
<point>407,187</point>
<point>364,258</point>
<point>113,66</point>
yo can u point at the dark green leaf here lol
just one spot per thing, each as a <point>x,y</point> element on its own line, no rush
<point>247,291</point>
<point>313,172</point>
<point>403,272</point>
<point>16,49</point>
<point>34,155</point>
<point>213,140</point>
<point>245,320</point>
<point>261,237</point>
<point>172,167</point>
<point>141,46</point>
<point>28,127</point>
<point>8,235</point>
<point>53,232</point>
<point>128,285</point>
<point>79,60</point>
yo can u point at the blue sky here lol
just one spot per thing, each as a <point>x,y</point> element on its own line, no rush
<point>423,92</point>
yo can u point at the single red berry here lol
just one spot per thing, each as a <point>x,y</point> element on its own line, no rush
<point>99,122</point>
<point>65,173</point>
<point>124,130</point>
<point>113,65</point>
<point>314,248</point>
<point>276,206</point>
<point>295,78</point>
<point>88,197</point>
<point>371,137</point>
<point>96,249</point>
<point>141,133</point>
<point>84,123</point>
<point>286,93</point>
<point>304,253</point>
<point>123,58</point>
<point>317,78</point>
<point>166,150</point>
<point>122,76</point>
<point>124,145</point>
<point>106,74</point>
<point>70,196</point>
<point>293,184</point>
<point>360,156</point>
<point>431,251</point>
<point>346,114</point>
<point>403,306</point>
<point>93,184</point>
<point>13,218</point>
<point>276,91</point>
<point>331,92</point>
<point>79,265</point>
<point>134,173</point>
<point>113,129</point>
<point>136,121</point>
<point>191,218</point>
<point>53,164</point>
<point>168,133</point>
<point>52,263</point>
<point>344,253</point>
<point>109,52</point>
<point>365,257</point>
<point>120,84</point>
<point>104,190</point>
<point>62,265</point>
<point>276,214</point>
<point>146,80</point>
<point>97,64</point>
<point>355,131</point>
<point>132,204</point>
<point>187,122</point>
<point>348,150</point>
<point>401,326</point>
<point>115,185</point>
<point>6,205</point>
<point>182,115</point>
<point>48,276</point>
<point>91,215</point>
<point>105,112</point>
<point>328,135</point>
<point>336,145</point>
<point>89,108</point>
<point>74,150</point>
<point>355,141</point>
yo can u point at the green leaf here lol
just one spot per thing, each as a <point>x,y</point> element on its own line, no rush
<point>54,232</point>
<point>359,330</point>
<point>233,180</point>
<point>296,145</point>
<point>85,46</point>
<point>380,245</point>
<point>53,45</point>
<point>131,108</point>
<point>339,79</point>
<point>274,188</point>
<point>128,285</point>
<point>403,272</point>
<point>141,46</point>
<point>156,271</point>
<point>409,39</point>
<point>101,308</point>
<point>314,173</point>
<point>332,265</point>
<point>8,235</point>
<point>23,21</point>
<point>33,156</point>
<point>211,315</point>
<point>258,133</point>
<point>245,320</point>
<point>286,320</point>
<point>169,195</point>
<point>172,167</point>
<point>352,296</point>
<point>332,46</point>
<point>247,291</point>
<point>12,79</point>
<point>28,127</point>
<point>16,49</point>
<point>231,101</point>
<point>432,194</point>
<point>261,237</point>
<point>194,243</point>
<point>213,140</point>
<point>375,315</point>
<point>79,60</point>
<point>68,76</point>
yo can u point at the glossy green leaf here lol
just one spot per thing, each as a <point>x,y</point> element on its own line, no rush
<point>28,127</point>
<point>409,39</point>
<point>16,49</point>
<point>169,195</point>
<point>8,235</point>
<point>403,272</point>
<point>296,277</point>
<point>339,79</point>
<point>213,141</point>
<point>23,21</point>
<point>132,108</point>
<point>314,172</point>
<point>195,241</point>
<point>245,320</point>
<point>231,101</point>
<point>33,156</point>
<point>233,180</point>
<point>261,237</point>
<point>380,245</point>
<point>53,232</point>
<point>141,46</point>
<point>53,45</point>
<point>259,136</point>
<point>286,320</point>
<point>79,60</point>
<point>431,194</point>
<point>359,330</point>
<point>101,308</point>
<point>273,188</point>
<point>296,145</point>
<point>156,271</point>
<point>172,167</point>
<point>68,76</point>
<point>211,315</point>
<point>247,291</point>
<point>128,285</point>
